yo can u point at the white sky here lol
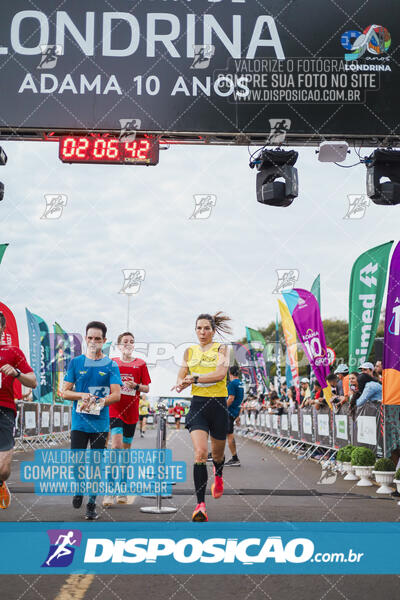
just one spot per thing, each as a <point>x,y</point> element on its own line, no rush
<point>134,217</point>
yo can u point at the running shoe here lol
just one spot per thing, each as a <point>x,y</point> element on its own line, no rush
<point>200,513</point>
<point>122,499</point>
<point>232,463</point>
<point>209,457</point>
<point>77,501</point>
<point>5,496</point>
<point>91,514</point>
<point>395,494</point>
<point>108,501</point>
<point>217,488</point>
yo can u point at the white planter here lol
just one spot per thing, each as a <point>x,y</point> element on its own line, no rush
<point>397,482</point>
<point>339,466</point>
<point>363,473</point>
<point>384,478</point>
<point>347,467</point>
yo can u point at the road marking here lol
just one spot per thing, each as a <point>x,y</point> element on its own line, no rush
<point>75,587</point>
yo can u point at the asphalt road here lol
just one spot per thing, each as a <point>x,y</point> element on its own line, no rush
<point>269,486</point>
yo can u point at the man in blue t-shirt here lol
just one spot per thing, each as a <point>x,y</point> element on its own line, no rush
<point>93,383</point>
<point>234,402</point>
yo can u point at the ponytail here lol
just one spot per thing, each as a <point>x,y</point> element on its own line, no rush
<point>219,322</point>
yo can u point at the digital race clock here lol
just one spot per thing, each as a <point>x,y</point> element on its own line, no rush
<point>108,150</point>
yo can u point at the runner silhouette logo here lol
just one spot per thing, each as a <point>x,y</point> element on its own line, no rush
<point>63,543</point>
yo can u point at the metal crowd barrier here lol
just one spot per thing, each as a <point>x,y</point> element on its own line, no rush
<point>41,425</point>
<point>308,429</point>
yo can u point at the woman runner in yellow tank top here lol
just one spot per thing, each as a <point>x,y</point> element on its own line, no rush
<point>204,367</point>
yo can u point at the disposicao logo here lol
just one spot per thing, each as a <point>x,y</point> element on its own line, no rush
<point>190,550</point>
<point>375,39</point>
<point>62,547</point>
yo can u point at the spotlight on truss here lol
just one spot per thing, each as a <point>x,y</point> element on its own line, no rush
<point>277,180</point>
<point>383,177</point>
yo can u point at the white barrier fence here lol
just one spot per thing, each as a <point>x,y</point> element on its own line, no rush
<point>317,428</point>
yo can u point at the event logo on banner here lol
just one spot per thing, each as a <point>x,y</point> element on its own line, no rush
<point>306,316</point>
<point>289,331</point>
<point>367,285</point>
<point>10,338</point>
<point>391,345</point>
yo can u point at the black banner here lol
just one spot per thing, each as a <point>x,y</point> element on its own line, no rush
<point>205,66</point>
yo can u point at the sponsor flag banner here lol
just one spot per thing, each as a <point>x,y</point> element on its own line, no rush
<point>252,336</point>
<point>218,548</point>
<point>391,344</point>
<point>10,338</point>
<point>61,359</point>
<point>46,375</point>
<point>288,372</point>
<point>3,248</point>
<point>367,285</point>
<point>277,356</point>
<point>35,352</point>
<point>289,332</point>
<point>306,316</point>
<point>245,360</point>
<point>316,289</point>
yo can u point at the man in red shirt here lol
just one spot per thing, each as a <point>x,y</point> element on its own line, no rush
<point>125,414</point>
<point>13,365</point>
<point>178,412</point>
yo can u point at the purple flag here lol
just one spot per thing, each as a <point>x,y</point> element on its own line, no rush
<point>304,308</point>
<point>391,348</point>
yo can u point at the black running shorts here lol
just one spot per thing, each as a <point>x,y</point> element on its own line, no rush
<point>127,429</point>
<point>208,414</point>
<point>7,420</point>
<point>231,423</point>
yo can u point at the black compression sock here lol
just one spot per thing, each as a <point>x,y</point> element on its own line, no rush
<point>219,467</point>
<point>200,477</point>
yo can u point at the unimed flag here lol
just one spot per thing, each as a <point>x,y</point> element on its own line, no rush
<point>306,316</point>
<point>367,286</point>
<point>391,347</point>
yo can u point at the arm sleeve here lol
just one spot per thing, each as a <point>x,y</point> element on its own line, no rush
<point>115,376</point>
<point>144,375</point>
<point>21,363</point>
<point>70,375</point>
<point>365,396</point>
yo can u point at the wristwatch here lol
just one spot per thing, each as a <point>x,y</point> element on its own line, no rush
<point>195,379</point>
<point>18,373</point>
<point>137,386</point>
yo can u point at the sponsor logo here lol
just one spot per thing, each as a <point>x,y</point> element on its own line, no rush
<point>358,204</point>
<point>63,543</point>
<point>375,39</point>
<point>190,550</point>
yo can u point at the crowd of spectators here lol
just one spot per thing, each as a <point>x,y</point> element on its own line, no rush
<point>347,390</point>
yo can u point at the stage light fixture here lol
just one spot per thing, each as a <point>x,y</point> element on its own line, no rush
<point>273,165</point>
<point>333,151</point>
<point>1,191</point>
<point>384,164</point>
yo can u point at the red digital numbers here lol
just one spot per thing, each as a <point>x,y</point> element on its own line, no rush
<point>107,150</point>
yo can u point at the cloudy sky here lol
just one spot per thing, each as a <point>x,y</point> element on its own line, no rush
<point>133,217</point>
